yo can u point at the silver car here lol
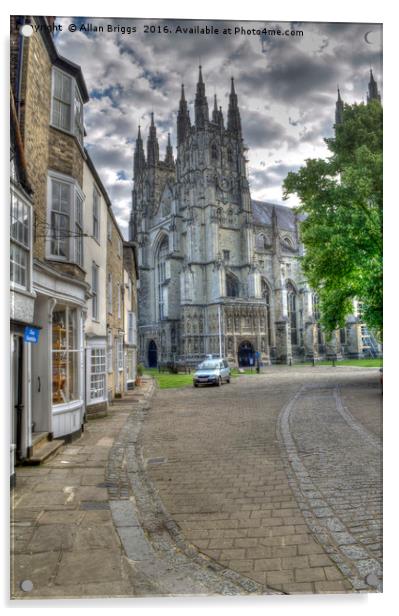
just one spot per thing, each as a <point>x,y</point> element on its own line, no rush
<point>212,372</point>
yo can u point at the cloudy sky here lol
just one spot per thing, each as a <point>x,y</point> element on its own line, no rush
<point>286,87</point>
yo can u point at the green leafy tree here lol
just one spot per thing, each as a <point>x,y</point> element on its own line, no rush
<point>341,218</point>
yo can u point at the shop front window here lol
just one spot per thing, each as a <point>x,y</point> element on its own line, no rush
<point>65,355</point>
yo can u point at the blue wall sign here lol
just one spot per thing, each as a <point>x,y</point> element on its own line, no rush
<point>31,334</point>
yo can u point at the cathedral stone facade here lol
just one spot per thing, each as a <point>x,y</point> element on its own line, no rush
<point>219,272</point>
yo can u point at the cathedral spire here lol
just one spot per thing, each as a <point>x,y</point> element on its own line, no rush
<point>373,94</point>
<point>139,157</point>
<point>221,121</point>
<point>201,103</point>
<point>152,144</point>
<point>215,112</point>
<point>233,114</point>
<point>169,153</point>
<point>183,119</point>
<point>339,110</point>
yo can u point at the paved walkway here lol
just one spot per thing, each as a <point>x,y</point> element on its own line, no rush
<point>88,524</point>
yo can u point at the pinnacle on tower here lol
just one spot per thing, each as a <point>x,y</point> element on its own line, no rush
<point>139,157</point>
<point>233,114</point>
<point>215,112</point>
<point>169,153</point>
<point>221,121</point>
<point>183,119</point>
<point>373,94</point>
<point>201,103</point>
<point>152,144</point>
<point>339,110</point>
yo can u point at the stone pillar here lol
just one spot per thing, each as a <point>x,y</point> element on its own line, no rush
<point>310,340</point>
<point>333,348</point>
<point>354,339</point>
<point>283,342</point>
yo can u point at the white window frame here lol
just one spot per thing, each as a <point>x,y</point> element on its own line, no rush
<point>95,290</point>
<point>98,374</point>
<point>74,102</point>
<point>75,226</point>
<point>66,351</point>
<point>96,213</point>
<point>130,325</point>
<point>21,244</point>
<point>110,343</point>
<point>119,354</point>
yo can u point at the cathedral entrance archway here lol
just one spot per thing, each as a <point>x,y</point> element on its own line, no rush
<point>246,354</point>
<point>152,355</point>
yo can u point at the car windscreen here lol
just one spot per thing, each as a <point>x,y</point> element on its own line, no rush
<point>208,365</point>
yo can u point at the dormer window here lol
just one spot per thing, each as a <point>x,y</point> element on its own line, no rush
<point>67,105</point>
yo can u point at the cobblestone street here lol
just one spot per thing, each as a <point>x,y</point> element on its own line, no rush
<point>271,484</point>
<point>277,476</point>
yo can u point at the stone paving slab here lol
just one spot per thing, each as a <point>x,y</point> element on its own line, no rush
<point>63,539</point>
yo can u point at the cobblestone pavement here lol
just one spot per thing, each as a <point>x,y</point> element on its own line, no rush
<point>277,476</point>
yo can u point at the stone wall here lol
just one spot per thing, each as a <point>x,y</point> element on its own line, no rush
<point>115,324</point>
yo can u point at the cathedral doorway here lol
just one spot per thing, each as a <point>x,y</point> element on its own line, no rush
<point>246,354</point>
<point>152,355</point>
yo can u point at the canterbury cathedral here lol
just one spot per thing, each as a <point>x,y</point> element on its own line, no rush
<point>219,272</point>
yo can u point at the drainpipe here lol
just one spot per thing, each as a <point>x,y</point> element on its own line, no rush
<point>19,68</point>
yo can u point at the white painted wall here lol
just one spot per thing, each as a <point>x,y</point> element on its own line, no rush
<point>96,251</point>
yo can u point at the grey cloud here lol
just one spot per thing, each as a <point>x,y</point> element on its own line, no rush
<point>295,78</point>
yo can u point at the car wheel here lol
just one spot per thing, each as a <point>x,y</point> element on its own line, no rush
<point>195,384</point>
<point>219,381</point>
<point>228,380</point>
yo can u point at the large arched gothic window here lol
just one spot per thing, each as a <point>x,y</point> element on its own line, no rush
<point>266,294</point>
<point>214,151</point>
<point>292,311</point>
<point>162,253</point>
<point>232,285</point>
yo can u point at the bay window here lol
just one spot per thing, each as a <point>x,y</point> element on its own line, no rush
<point>67,105</point>
<point>65,219</point>
<point>65,355</point>
<point>20,235</point>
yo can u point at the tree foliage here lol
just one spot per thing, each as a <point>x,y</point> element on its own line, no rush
<point>341,218</point>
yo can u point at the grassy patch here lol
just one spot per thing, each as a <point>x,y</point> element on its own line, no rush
<point>363,363</point>
<point>169,381</point>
